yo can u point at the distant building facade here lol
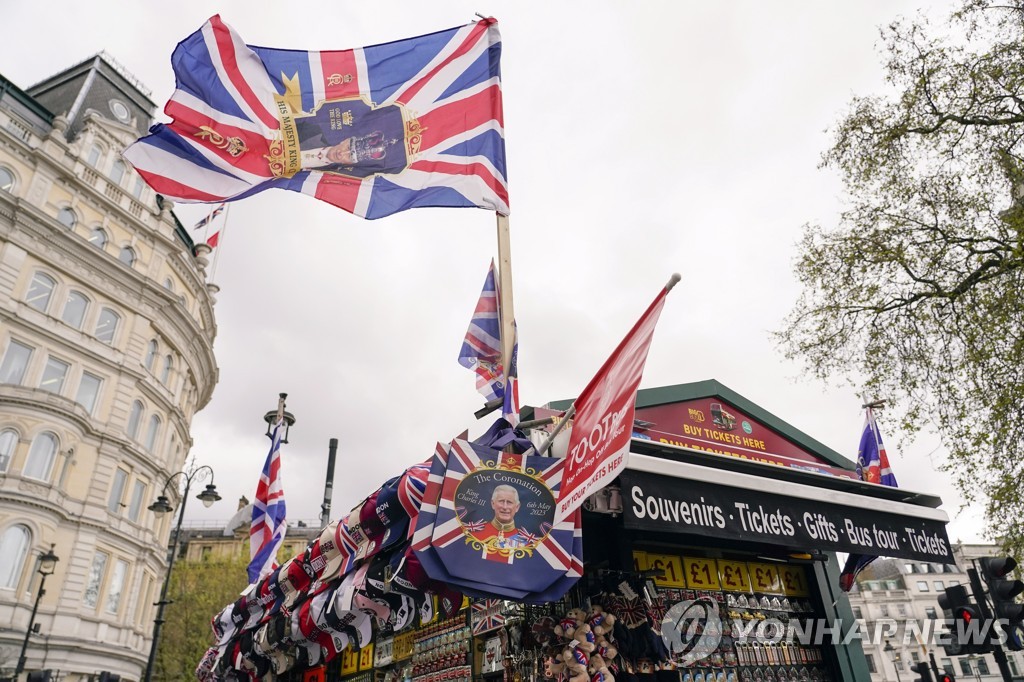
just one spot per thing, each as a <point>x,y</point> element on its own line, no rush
<point>225,541</point>
<point>892,591</point>
<point>106,353</point>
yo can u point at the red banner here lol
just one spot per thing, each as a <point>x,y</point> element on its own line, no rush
<point>603,425</point>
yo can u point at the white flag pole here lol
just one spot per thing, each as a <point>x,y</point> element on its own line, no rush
<point>505,305</point>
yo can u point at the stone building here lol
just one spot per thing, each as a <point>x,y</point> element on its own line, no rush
<point>106,353</point>
<point>891,592</point>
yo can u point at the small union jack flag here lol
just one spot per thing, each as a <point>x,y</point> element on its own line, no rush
<point>268,512</point>
<point>213,214</point>
<point>528,537</point>
<point>487,616</point>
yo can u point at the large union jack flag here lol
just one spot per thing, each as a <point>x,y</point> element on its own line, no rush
<point>373,130</point>
<point>268,512</point>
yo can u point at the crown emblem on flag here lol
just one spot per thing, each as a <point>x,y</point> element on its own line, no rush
<point>234,146</point>
<point>338,78</point>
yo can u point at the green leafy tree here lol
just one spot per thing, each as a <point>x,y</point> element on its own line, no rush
<point>199,589</point>
<point>916,294</point>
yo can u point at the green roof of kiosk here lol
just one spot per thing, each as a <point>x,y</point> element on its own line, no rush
<point>665,395</point>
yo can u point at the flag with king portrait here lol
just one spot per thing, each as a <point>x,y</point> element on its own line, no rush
<point>373,130</point>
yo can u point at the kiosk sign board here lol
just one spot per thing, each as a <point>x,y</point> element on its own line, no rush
<point>660,503</point>
<point>714,426</point>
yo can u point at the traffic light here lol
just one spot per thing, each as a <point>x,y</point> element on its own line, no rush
<point>923,670</point>
<point>946,676</point>
<point>966,623</point>
<point>1003,591</point>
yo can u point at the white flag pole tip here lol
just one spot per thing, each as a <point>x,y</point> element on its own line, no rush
<point>672,281</point>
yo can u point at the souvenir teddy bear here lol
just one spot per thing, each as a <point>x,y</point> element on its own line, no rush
<point>605,649</point>
<point>583,638</point>
<point>598,670</point>
<point>600,621</point>
<point>576,662</point>
<point>566,627</point>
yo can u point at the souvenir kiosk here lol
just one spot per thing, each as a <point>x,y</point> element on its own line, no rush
<point>711,558</point>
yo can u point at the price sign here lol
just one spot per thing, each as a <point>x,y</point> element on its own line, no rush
<point>672,566</point>
<point>794,581</point>
<point>404,645</point>
<point>384,652</point>
<point>349,661</point>
<point>366,657</point>
<point>734,576</point>
<point>765,578</point>
<point>639,561</point>
<point>701,574</point>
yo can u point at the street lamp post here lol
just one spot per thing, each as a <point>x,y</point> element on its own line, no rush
<point>893,656</point>
<point>47,565</point>
<point>161,507</point>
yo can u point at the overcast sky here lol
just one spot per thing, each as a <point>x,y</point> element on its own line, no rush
<point>642,139</point>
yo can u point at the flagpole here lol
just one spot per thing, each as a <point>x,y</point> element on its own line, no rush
<point>505,305</point>
<point>220,240</point>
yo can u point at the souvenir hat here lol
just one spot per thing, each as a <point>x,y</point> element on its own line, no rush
<point>294,580</point>
<point>338,549</point>
<point>261,639</point>
<point>307,624</point>
<point>339,642</point>
<point>449,598</point>
<point>223,626</point>
<point>383,509</point>
<point>313,562</point>
<point>281,661</point>
<point>365,603</point>
<point>341,616</point>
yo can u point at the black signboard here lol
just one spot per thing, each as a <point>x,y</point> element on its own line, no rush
<point>667,504</point>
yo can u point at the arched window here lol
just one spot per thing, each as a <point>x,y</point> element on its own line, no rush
<point>40,456</point>
<point>98,237</point>
<point>8,441</point>
<point>106,326</point>
<point>168,366</point>
<point>168,284</point>
<point>117,172</point>
<point>151,350</point>
<point>13,550</point>
<point>74,309</point>
<point>152,432</point>
<point>40,291</point>
<point>127,256</point>
<point>134,418</point>
<point>6,180</point>
<point>67,218</point>
<point>93,158</point>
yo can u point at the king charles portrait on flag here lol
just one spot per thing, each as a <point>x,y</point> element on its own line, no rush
<point>502,511</point>
<point>348,137</point>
